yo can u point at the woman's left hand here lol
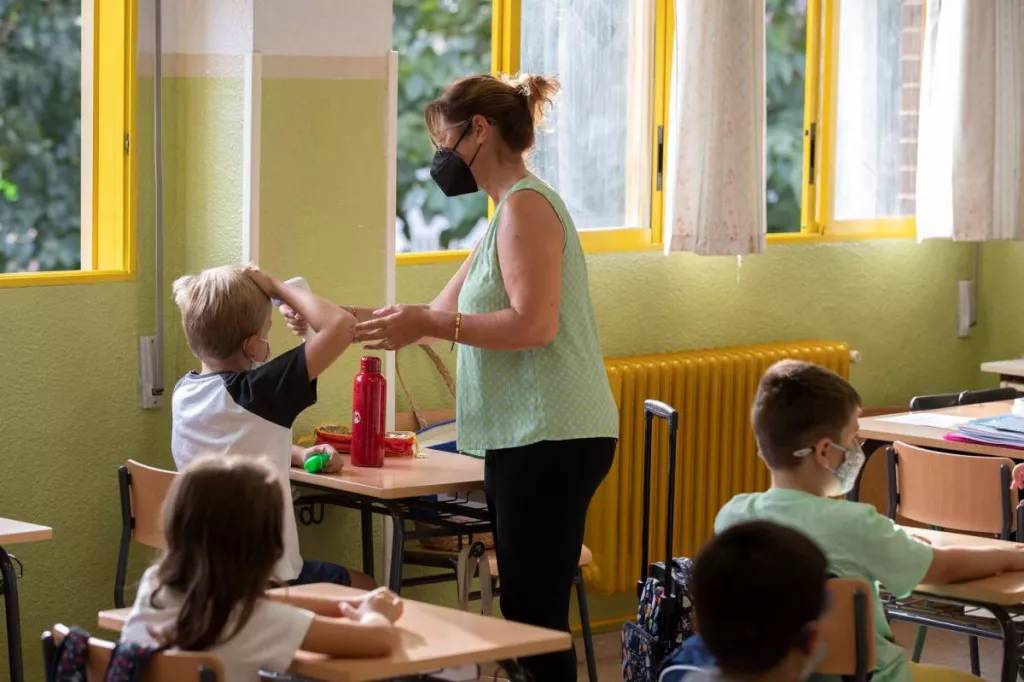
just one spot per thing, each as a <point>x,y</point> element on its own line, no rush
<point>395,327</point>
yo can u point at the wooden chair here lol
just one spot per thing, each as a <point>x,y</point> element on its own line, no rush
<point>937,401</point>
<point>988,395</point>
<point>167,666</point>
<point>848,631</point>
<point>950,492</point>
<point>586,558</point>
<point>143,490</point>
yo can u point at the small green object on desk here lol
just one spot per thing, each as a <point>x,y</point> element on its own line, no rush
<point>314,464</point>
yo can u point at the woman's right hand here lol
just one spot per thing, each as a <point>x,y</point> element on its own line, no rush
<point>297,323</point>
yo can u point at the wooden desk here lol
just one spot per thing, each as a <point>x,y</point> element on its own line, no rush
<point>432,637</point>
<point>401,478</point>
<point>13,533</point>
<point>394,490</point>
<point>1001,595</point>
<point>1011,372</point>
<point>1006,589</point>
<point>884,432</point>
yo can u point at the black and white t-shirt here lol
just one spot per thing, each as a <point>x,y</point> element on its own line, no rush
<point>247,413</point>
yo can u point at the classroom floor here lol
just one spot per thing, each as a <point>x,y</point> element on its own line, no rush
<point>941,648</point>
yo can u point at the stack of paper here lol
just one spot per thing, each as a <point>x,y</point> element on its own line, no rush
<point>1005,430</point>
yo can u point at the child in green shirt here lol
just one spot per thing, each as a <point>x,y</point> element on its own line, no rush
<point>805,420</point>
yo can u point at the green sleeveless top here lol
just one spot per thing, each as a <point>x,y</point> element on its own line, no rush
<point>508,399</point>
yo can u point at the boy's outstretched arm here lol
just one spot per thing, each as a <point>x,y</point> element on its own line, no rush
<point>333,325</point>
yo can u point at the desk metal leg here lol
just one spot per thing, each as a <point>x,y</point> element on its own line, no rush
<point>366,520</point>
<point>1010,655</point>
<point>10,592</point>
<point>516,672</point>
<point>397,548</point>
<point>869,447</point>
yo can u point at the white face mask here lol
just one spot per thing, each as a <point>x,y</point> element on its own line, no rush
<point>256,364</point>
<point>849,470</point>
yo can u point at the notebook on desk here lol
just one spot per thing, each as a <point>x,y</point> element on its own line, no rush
<point>1006,430</point>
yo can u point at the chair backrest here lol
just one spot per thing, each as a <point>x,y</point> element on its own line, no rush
<point>167,666</point>
<point>934,402</point>
<point>954,492</point>
<point>848,630</point>
<point>988,395</point>
<point>148,488</point>
<point>143,490</point>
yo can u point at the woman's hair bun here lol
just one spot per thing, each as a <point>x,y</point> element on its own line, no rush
<point>539,92</point>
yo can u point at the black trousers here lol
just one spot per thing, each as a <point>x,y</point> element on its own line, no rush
<point>538,497</point>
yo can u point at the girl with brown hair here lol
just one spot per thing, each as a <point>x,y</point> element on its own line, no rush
<point>222,526</point>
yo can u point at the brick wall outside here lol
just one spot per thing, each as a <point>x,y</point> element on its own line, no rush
<point>911,37</point>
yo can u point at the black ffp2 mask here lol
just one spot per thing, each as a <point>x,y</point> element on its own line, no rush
<point>451,173</point>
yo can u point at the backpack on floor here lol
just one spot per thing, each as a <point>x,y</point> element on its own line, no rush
<point>664,617</point>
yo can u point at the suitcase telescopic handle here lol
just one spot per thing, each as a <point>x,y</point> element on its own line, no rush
<point>656,409</point>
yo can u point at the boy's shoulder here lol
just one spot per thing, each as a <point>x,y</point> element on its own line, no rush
<point>802,510</point>
<point>275,392</point>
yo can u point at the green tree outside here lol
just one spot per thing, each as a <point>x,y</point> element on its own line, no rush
<point>40,135</point>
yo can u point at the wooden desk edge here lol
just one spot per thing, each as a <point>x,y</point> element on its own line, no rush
<point>969,592</point>
<point>39,534</point>
<point>316,668</point>
<point>352,488</point>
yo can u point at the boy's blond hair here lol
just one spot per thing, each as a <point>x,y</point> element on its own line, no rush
<point>220,309</point>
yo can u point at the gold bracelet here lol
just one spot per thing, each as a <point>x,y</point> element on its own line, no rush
<point>458,327</point>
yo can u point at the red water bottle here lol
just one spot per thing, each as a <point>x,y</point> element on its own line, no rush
<point>369,411</point>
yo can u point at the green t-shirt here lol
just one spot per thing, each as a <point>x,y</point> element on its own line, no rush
<point>858,542</point>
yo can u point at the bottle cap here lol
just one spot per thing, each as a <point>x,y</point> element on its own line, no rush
<point>370,364</point>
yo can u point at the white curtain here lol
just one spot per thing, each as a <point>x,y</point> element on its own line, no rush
<point>970,139</point>
<point>715,189</point>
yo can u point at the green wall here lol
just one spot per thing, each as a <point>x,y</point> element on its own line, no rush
<point>894,301</point>
<point>322,216</point>
<point>71,413</point>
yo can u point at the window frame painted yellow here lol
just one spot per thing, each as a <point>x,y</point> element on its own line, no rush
<point>108,168</point>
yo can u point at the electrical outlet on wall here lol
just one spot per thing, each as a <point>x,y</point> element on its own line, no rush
<point>150,398</point>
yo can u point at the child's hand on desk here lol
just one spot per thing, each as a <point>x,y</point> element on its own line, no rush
<point>381,601</point>
<point>334,465</point>
<point>1018,478</point>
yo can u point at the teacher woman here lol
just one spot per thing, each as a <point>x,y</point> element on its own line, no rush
<point>532,393</point>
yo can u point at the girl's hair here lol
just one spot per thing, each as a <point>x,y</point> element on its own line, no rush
<point>222,522</point>
<point>515,104</point>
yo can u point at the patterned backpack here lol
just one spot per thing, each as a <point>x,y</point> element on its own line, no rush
<point>71,659</point>
<point>664,616</point>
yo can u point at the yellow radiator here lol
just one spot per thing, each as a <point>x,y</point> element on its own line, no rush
<point>713,391</point>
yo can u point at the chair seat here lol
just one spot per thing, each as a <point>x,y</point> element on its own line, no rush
<point>586,557</point>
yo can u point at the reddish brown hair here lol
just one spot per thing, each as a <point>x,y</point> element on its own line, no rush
<point>515,104</point>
